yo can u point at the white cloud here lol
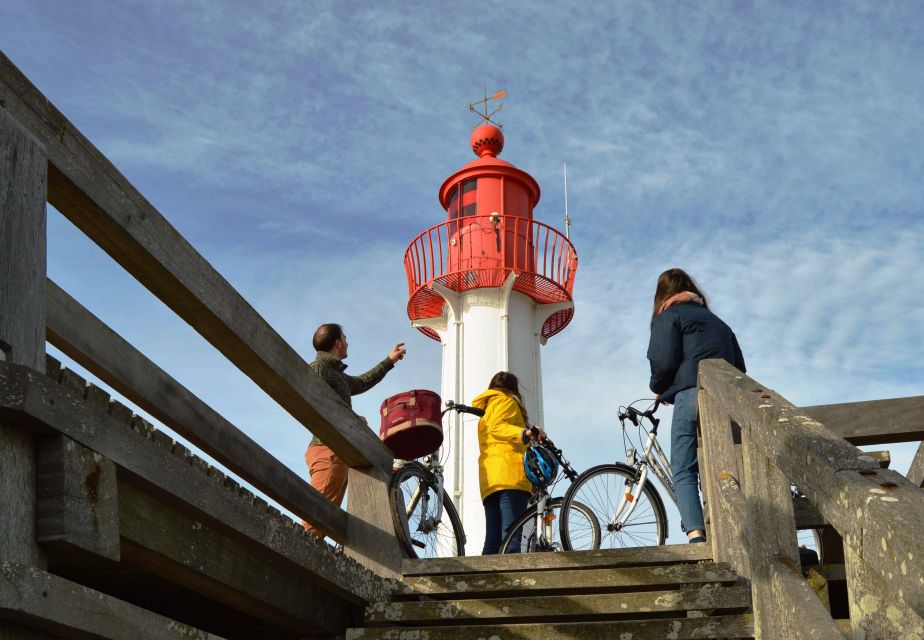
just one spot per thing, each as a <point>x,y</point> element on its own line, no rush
<point>772,151</point>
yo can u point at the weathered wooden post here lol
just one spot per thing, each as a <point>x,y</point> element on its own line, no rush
<point>371,534</point>
<point>23,185</point>
<point>721,480</point>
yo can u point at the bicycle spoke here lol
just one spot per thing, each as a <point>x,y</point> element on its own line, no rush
<point>641,522</point>
<point>424,535</point>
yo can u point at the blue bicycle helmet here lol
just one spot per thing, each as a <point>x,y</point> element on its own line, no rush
<point>541,466</point>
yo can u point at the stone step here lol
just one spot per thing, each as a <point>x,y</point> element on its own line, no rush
<point>732,626</point>
<point>647,604</point>
<point>629,557</point>
<point>532,583</point>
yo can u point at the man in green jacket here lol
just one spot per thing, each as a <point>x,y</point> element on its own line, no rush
<point>328,472</point>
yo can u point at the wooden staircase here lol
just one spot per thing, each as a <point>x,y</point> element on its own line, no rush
<point>656,592</point>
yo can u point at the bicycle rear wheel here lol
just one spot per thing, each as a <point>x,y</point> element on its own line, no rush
<point>414,505</point>
<point>523,529</point>
<point>599,490</point>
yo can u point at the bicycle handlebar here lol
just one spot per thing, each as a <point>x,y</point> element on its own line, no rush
<point>546,442</point>
<point>462,408</point>
<point>633,414</point>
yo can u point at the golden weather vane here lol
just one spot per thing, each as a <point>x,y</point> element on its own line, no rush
<point>486,116</point>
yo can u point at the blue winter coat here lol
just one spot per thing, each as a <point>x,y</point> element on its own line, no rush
<point>681,336</point>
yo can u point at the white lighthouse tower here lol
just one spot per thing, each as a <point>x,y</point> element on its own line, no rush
<point>491,285</point>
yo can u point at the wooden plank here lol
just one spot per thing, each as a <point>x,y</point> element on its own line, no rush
<point>77,503</point>
<point>22,318</point>
<point>720,462</point>
<point>878,511</point>
<point>570,608</point>
<point>916,470</point>
<point>874,613</point>
<point>763,542</point>
<point>85,187</point>
<point>66,609</point>
<point>87,340</point>
<point>739,626</point>
<point>190,553</point>
<point>32,400</point>
<point>769,507</point>
<point>23,178</point>
<point>807,514</point>
<point>371,531</point>
<point>799,612</point>
<point>873,421</point>
<point>776,583</point>
<point>532,583</point>
<point>567,560</point>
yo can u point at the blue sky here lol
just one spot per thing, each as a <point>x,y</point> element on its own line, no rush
<point>772,149</point>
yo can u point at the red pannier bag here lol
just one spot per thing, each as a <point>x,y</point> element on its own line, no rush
<point>411,424</point>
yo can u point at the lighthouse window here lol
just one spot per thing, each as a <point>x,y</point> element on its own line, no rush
<point>454,204</point>
<point>469,191</point>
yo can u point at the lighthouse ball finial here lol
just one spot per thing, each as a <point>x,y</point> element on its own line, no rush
<point>487,140</point>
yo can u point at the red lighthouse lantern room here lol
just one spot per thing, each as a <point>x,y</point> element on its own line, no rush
<point>490,234</point>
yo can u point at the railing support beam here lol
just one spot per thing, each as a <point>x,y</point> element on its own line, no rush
<point>371,536</point>
<point>916,471</point>
<point>878,511</point>
<point>23,183</point>
<point>721,477</point>
<point>90,192</point>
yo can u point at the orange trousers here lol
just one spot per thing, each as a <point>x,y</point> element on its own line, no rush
<point>328,475</point>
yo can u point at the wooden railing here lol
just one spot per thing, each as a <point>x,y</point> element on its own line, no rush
<point>755,445</point>
<point>90,192</point>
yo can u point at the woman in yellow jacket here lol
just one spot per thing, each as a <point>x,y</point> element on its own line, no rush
<point>502,436</point>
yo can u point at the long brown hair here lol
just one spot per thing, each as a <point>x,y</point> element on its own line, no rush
<point>672,282</point>
<point>508,383</point>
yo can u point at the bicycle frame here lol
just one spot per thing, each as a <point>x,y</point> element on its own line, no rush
<point>543,522</point>
<point>544,514</point>
<point>659,464</point>
<point>427,525</point>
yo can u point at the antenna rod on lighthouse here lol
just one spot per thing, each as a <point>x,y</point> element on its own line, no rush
<point>567,217</point>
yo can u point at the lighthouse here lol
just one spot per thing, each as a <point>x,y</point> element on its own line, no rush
<point>491,285</point>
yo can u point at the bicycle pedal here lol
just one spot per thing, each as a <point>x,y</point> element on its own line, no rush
<point>418,544</point>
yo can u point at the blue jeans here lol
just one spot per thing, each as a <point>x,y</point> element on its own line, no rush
<point>683,460</point>
<point>501,508</point>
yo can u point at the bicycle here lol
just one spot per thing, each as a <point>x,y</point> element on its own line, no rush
<point>541,513</point>
<point>427,523</point>
<point>638,517</point>
<point>620,494</point>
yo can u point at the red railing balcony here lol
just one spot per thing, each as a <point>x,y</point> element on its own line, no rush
<point>474,252</point>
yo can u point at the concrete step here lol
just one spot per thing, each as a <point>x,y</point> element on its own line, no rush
<point>630,557</point>
<point>584,581</point>
<point>648,604</point>
<point>732,626</point>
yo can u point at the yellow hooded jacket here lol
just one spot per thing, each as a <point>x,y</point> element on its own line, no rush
<point>500,440</point>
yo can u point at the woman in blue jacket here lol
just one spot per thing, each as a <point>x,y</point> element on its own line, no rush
<point>683,332</point>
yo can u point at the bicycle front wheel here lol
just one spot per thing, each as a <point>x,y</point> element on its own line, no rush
<point>600,490</point>
<point>522,536</point>
<point>424,532</point>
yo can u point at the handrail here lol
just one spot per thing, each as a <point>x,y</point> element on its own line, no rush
<point>481,251</point>
<point>88,341</point>
<point>87,189</point>
<point>878,512</point>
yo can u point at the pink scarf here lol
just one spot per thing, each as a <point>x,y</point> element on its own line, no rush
<point>680,298</point>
